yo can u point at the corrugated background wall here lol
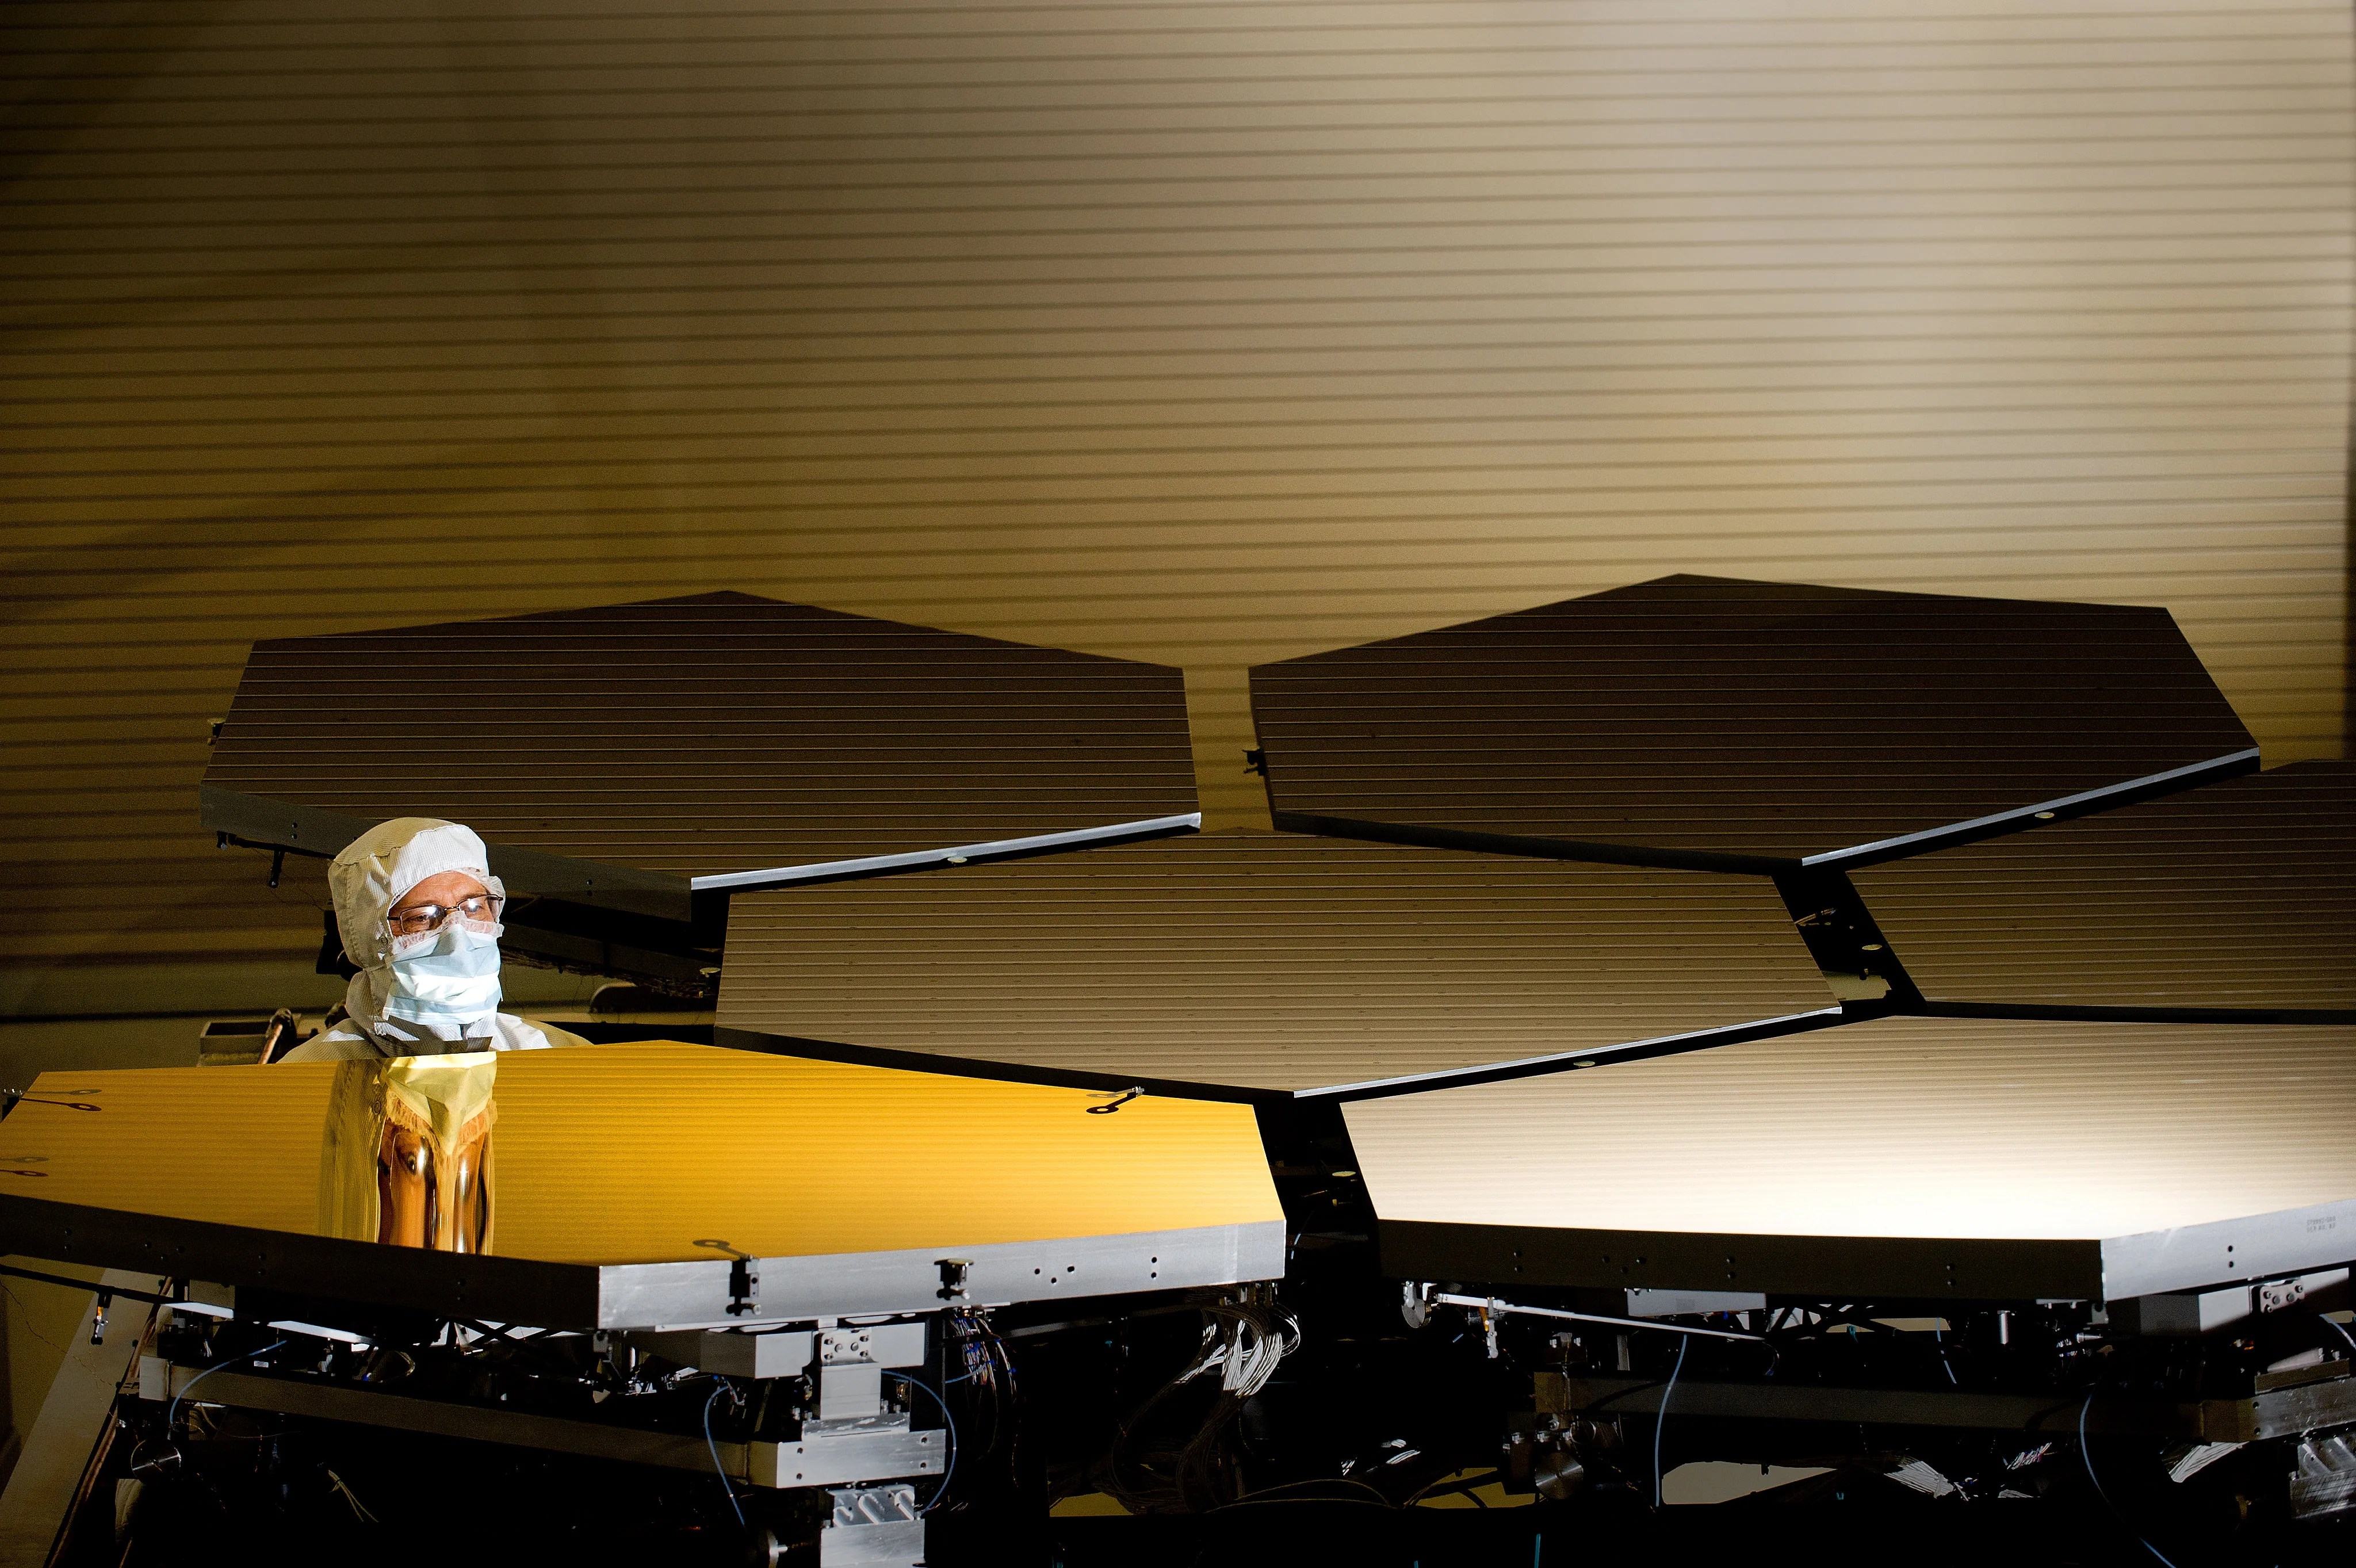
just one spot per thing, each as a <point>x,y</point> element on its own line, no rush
<point>1204,333</point>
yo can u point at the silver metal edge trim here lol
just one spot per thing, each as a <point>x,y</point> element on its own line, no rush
<point>310,831</point>
<point>2229,1251</point>
<point>1933,835</point>
<point>671,1297</point>
<point>785,875</point>
<point>1530,1066</point>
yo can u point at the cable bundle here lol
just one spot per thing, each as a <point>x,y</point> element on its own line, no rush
<point>1245,1344</point>
<point>1245,1341</point>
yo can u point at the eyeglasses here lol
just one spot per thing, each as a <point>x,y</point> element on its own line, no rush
<point>415,921</point>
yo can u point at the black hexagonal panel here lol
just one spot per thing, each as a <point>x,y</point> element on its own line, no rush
<point>1712,722</point>
<point>686,743</point>
<point>2239,894</point>
<point>1266,963</point>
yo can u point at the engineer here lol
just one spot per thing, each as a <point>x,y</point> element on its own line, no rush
<point>418,910</point>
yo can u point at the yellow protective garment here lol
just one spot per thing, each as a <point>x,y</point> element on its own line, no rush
<point>406,1155</point>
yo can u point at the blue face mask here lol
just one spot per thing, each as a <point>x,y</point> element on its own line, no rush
<point>449,979</point>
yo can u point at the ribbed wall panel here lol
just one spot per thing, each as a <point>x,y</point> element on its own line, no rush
<point>1208,335</point>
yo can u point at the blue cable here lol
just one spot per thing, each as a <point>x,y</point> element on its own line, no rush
<point>949,1468</point>
<point>2086,1457</point>
<point>172,1411</point>
<point>717,1390</point>
<point>1661,1422</point>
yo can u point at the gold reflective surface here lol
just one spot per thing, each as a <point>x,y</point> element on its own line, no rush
<point>406,1151</point>
<point>630,1154</point>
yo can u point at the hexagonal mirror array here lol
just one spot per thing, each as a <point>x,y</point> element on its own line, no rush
<point>1636,832</point>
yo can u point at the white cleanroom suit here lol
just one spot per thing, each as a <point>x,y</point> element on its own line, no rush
<point>424,995</point>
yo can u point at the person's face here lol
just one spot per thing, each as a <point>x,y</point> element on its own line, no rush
<point>424,906</point>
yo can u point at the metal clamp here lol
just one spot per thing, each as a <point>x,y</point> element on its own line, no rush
<point>1492,1306</point>
<point>743,1277</point>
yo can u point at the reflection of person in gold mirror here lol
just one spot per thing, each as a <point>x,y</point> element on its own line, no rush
<point>408,1155</point>
<point>419,913</point>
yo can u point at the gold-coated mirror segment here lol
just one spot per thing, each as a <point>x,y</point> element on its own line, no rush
<point>628,1154</point>
<point>1901,1158</point>
<point>1905,1127</point>
<point>2240,894</point>
<point>1698,716</point>
<point>926,738</point>
<point>1270,961</point>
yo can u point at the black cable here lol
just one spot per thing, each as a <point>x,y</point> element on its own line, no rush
<point>1016,1406</point>
<point>1661,1418</point>
<point>1188,1482</point>
<point>2086,1457</point>
<point>172,1411</point>
<point>1260,1502</point>
<point>1439,1488</point>
<point>948,1471</point>
<point>721,1386</point>
<point>1593,1405</point>
<point>1279,1490</point>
